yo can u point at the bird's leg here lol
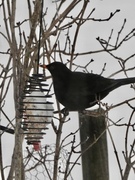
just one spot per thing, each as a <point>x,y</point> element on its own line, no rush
<point>95,101</point>
<point>64,111</point>
<point>98,100</point>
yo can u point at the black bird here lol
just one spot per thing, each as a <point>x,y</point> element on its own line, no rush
<point>77,90</point>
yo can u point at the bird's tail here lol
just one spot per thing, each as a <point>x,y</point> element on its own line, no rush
<point>126,81</point>
<point>115,83</point>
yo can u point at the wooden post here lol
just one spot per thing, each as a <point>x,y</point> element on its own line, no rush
<point>95,159</point>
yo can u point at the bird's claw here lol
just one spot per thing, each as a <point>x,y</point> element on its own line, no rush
<point>64,111</point>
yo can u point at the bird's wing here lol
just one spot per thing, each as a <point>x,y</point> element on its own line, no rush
<point>91,84</point>
<point>100,84</point>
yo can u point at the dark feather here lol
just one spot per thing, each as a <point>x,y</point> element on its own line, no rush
<point>77,91</point>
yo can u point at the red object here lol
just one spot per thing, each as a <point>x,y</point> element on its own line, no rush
<point>37,146</point>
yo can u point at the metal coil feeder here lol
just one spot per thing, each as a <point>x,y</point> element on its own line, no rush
<point>37,111</point>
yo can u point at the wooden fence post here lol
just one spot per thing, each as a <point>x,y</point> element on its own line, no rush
<point>95,159</point>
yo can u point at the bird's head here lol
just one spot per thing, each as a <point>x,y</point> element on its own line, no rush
<point>56,68</point>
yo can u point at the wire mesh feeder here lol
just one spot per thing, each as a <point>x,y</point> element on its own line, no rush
<point>37,111</point>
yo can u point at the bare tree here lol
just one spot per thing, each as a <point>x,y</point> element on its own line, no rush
<point>43,32</point>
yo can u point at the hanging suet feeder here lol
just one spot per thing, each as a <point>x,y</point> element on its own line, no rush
<point>37,111</point>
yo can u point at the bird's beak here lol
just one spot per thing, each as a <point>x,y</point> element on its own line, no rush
<point>43,66</point>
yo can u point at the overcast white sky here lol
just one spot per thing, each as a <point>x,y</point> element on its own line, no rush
<point>86,42</point>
